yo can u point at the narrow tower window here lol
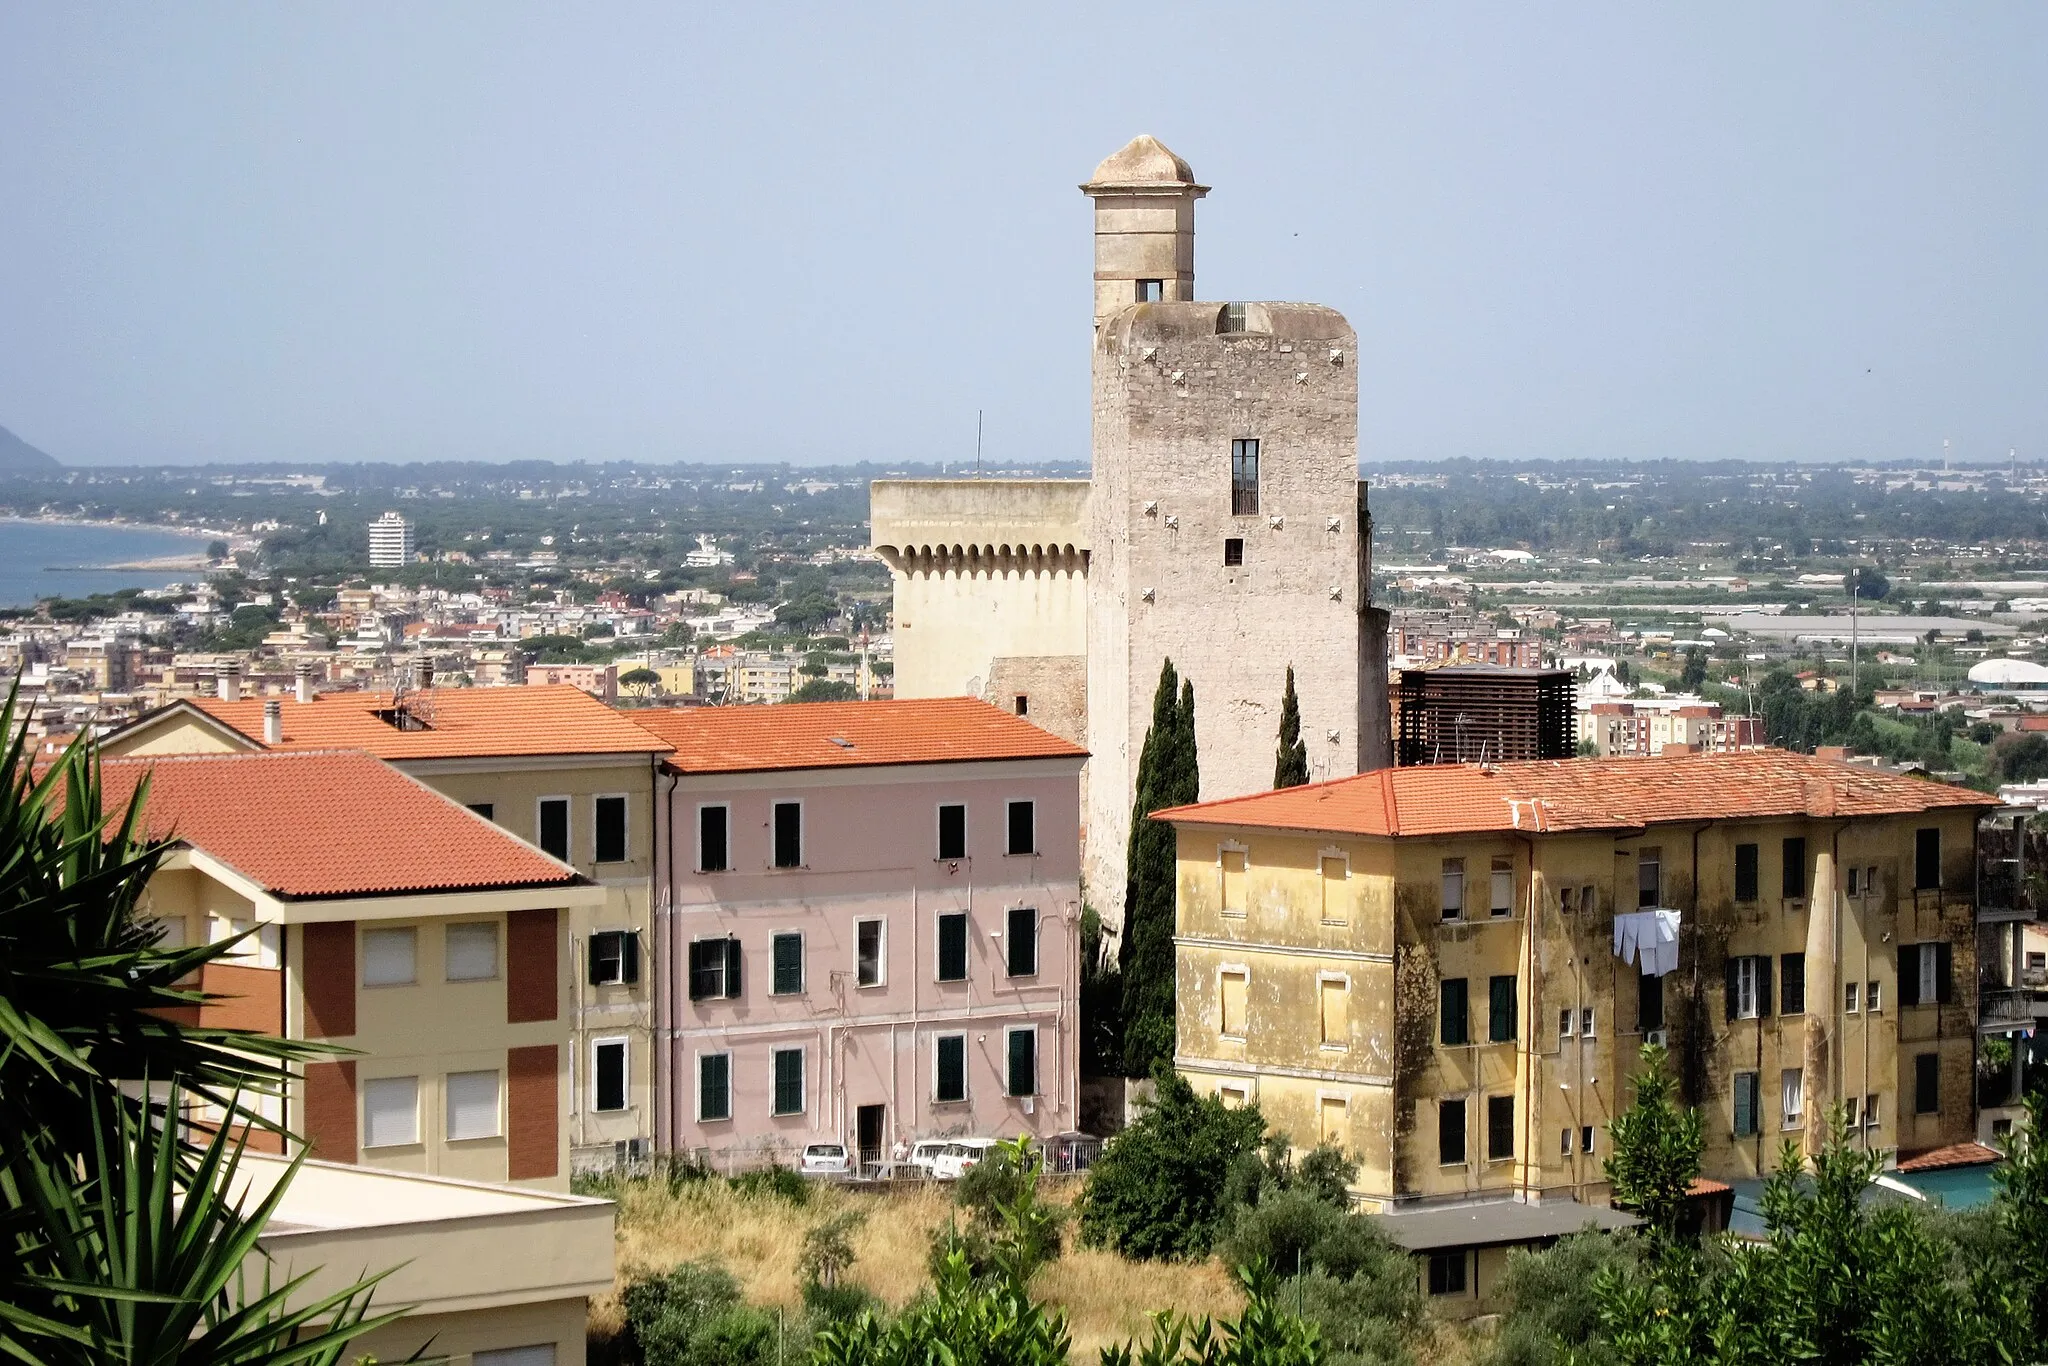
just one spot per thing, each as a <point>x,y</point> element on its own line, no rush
<point>1244,477</point>
<point>1233,551</point>
<point>1151,291</point>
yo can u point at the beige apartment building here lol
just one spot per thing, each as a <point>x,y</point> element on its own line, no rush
<point>549,765</point>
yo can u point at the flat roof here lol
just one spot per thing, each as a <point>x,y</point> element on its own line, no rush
<point>1491,1223</point>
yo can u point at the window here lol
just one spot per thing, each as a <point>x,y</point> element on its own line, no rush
<point>1850,991</point>
<point>390,957</point>
<point>1850,883</point>
<point>542,1354</point>
<point>1023,707</point>
<point>472,952</point>
<point>1649,1002</point>
<point>1333,999</point>
<point>1567,1022</point>
<point>1020,941</point>
<point>1926,1083</point>
<point>1330,1115</point>
<point>789,834</point>
<point>391,1112</point>
<point>789,1081</point>
<point>1792,974</point>
<point>714,1086</point>
<point>788,953</point>
<point>1233,987</point>
<point>1244,478</point>
<point>1233,551</point>
<point>484,809</point>
<point>1870,880</point>
<point>1870,1111</point>
<point>949,1070</point>
<point>712,856</point>
<point>1586,1139</point>
<point>1501,1024</point>
<point>1500,1128</point>
<point>1745,872</point>
<point>554,827</point>
<point>1792,1088</point>
<point>1452,1012</point>
<point>1151,291</point>
<point>1564,1142</point>
<point>1022,1074</point>
<point>608,1074</point>
<point>1502,900</point>
<point>2037,962</point>
<point>1926,975</point>
<point>867,953</point>
<point>614,958</point>
<point>1870,999</point>
<point>1586,1023</point>
<point>1927,860</point>
<point>714,969</point>
<point>1849,1111</point>
<point>952,831</point>
<point>1749,987</point>
<point>472,1105</point>
<point>1745,1104</point>
<point>1336,906</point>
<point>1454,888</point>
<point>1450,1132</point>
<point>1023,826</point>
<point>1649,877</point>
<point>953,947</point>
<point>1447,1272</point>
<point>1792,876</point>
<point>1232,862</point>
<point>256,945</point>
<point>1233,1097</point>
<point>608,816</point>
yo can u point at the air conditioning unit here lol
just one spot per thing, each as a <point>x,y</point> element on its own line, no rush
<point>1655,1036</point>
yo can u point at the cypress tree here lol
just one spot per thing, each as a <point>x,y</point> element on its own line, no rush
<point>1169,774</point>
<point>1291,768</point>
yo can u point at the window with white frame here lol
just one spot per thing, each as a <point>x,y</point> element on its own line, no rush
<point>1792,1087</point>
<point>390,957</point>
<point>714,969</point>
<point>789,1080</point>
<point>789,834</point>
<point>952,831</point>
<point>554,827</point>
<point>1336,871</point>
<point>608,1074</point>
<point>1022,828</point>
<point>1454,888</point>
<point>472,951</point>
<point>1744,970</point>
<point>1021,1050</point>
<point>714,1086</point>
<point>391,1112</point>
<point>1232,862</point>
<point>1501,888</point>
<point>787,952</point>
<point>608,829</point>
<point>949,1068</point>
<point>867,953</point>
<point>472,1105</point>
<point>714,855</point>
<point>614,958</point>
<point>1020,941</point>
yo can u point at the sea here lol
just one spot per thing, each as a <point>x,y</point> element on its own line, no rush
<point>48,559</point>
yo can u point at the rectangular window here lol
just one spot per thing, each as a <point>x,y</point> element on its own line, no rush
<point>608,1074</point>
<point>1792,875</point>
<point>789,1081</point>
<point>788,950</point>
<point>1151,291</point>
<point>1926,974</point>
<point>1870,880</point>
<point>714,1086</point>
<point>472,1105</point>
<point>1020,941</point>
<point>949,1068</point>
<point>1022,1074</point>
<point>1649,877</point>
<point>1586,1023</point>
<point>1564,1142</point>
<point>867,953</point>
<point>1586,1139</point>
<point>714,969</point>
<point>1746,881</point>
<point>1023,827</point>
<point>1851,991</point>
<point>1792,979</point>
<point>1567,1022</point>
<point>609,821</point>
<point>953,947</point>
<point>1450,1132</point>
<point>1927,860</point>
<point>472,951</point>
<point>1453,1012</point>
<point>712,855</point>
<point>1244,478</point>
<point>1850,885</point>
<point>1454,888</point>
<point>1870,1111</point>
<point>1502,900</point>
<point>1649,1002</point>
<point>614,958</point>
<point>1232,863</point>
<point>390,958</point>
<point>1233,551</point>
<point>1336,899</point>
<point>1745,1104</point>
<point>485,809</point>
<point>1500,1128</point>
<point>1447,1272</point>
<point>1926,1083</point>
<point>554,827</point>
<point>1849,1111</point>
<point>789,834</point>
<point>1501,1023</point>
<point>391,1112</point>
<point>1334,999</point>
<point>952,831</point>
<point>1870,1000</point>
<point>1748,987</point>
<point>1023,704</point>
<point>1792,1092</point>
<point>1233,990</point>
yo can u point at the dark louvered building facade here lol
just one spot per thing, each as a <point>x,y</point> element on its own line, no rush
<point>1482,713</point>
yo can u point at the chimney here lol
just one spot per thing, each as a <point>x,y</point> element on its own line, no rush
<point>227,682</point>
<point>302,680</point>
<point>1678,747</point>
<point>1839,753</point>
<point>425,672</point>
<point>273,722</point>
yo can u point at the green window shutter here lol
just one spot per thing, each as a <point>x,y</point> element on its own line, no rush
<point>1793,989</point>
<point>950,1081</point>
<point>1023,1062</point>
<point>953,947</point>
<point>1745,1104</point>
<point>1501,1024</point>
<point>789,964</point>
<point>789,1081</point>
<point>714,1086</point>
<point>1453,1012</point>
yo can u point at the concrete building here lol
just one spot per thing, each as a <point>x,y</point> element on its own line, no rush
<point>1223,526</point>
<point>391,542</point>
<point>1624,730</point>
<point>875,925</point>
<point>1449,970</point>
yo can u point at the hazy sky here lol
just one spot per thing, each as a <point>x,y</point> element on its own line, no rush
<point>821,233</point>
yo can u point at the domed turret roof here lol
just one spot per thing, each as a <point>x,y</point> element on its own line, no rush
<point>1143,160</point>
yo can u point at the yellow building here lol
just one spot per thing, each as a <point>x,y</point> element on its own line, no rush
<point>1442,968</point>
<point>552,766</point>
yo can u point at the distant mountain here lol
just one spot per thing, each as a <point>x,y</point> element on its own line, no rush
<point>18,457</point>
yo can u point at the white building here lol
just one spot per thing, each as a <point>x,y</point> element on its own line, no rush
<point>391,542</point>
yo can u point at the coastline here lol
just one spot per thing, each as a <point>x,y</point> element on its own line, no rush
<point>196,533</point>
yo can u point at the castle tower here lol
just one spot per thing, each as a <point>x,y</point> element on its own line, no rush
<point>1144,227</point>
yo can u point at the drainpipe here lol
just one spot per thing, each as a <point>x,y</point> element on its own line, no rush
<point>1526,1064</point>
<point>661,891</point>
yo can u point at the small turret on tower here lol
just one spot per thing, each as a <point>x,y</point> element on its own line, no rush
<point>1144,227</point>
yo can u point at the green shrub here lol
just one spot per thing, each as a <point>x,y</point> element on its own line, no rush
<point>1548,1301</point>
<point>694,1315</point>
<point>778,1182</point>
<point>1282,1230</point>
<point>1157,1191</point>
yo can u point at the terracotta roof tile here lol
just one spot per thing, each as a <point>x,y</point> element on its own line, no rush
<point>1954,1155</point>
<point>463,723</point>
<point>326,824</point>
<point>930,730</point>
<point>1582,794</point>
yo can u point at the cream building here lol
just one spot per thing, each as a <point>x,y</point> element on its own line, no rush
<point>1224,527</point>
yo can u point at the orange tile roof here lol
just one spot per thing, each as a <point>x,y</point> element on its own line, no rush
<point>326,824</point>
<point>928,730</point>
<point>1702,1186</point>
<point>1954,1155</point>
<point>1582,794</point>
<point>465,723</point>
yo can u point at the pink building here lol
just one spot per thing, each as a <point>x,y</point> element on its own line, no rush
<point>868,927</point>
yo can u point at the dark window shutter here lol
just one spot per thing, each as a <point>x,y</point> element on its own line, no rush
<point>732,968</point>
<point>952,1068</point>
<point>1927,859</point>
<point>1453,1012</point>
<point>704,962</point>
<point>1794,989</point>
<point>1944,974</point>
<point>1927,1083</point>
<point>1649,1002</point>
<point>1794,877</point>
<point>711,838</point>
<point>1745,872</point>
<point>952,947</point>
<point>1023,1062</point>
<point>1909,974</point>
<point>1500,1010</point>
<point>1763,986</point>
<point>1734,997</point>
<point>630,946</point>
<point>594,960</point>
<point>1450,1132</point>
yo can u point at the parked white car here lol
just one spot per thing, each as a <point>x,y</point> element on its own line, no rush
<point>960,1156</point>
<point>825,1159</point>
<point>924,1154</point>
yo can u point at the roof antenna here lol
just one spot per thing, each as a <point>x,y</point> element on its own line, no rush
<point>977,443</point>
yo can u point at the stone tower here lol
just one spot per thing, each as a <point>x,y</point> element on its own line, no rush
<point>1226,519</point>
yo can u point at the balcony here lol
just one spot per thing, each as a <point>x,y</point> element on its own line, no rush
<point>2003,1008</point>
<point>2012,868</point>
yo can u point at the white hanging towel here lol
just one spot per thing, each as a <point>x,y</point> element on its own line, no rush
<point>1649,938</point>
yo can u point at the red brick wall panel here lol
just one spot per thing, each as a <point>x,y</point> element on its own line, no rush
<point>532,966</point>
<point>251,998</point>
<point>330,980</point>
<point>330,1090</point>
<point>533,1135</point>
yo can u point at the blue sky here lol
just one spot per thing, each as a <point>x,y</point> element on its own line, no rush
<point>824,233</point>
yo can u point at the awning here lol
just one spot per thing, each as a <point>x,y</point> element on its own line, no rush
<point>1649,937</point>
